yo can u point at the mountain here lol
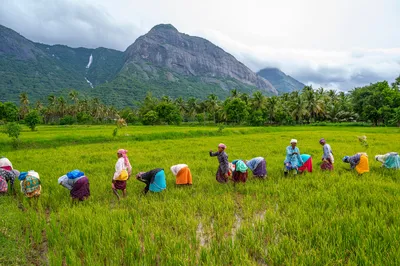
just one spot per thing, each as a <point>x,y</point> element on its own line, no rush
<point>41,70</point>
<point>282,82</point>
<point>163,61</point>
<point>167,62</point>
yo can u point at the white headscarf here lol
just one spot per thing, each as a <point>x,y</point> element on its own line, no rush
<point>176,168</point>
<point>5,162</point>
<point>62,179</point>
<point>293,141</point>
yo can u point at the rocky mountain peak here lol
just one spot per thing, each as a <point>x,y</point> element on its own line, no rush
<point>165,47</point>
<point>163,27</point>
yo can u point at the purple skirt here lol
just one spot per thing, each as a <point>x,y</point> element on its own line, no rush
<point>327,165</point>
<point>261,169</point>
<point>220,176</point>
<point>81,189</point>
<point>121,185</point>
<point>239,176</point>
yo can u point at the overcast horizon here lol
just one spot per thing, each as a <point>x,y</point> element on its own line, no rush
<point>336,45</point>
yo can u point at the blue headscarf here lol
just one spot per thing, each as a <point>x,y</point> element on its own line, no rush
<point>22,176</point>
<point>346,159</point>
<point>75,174</point>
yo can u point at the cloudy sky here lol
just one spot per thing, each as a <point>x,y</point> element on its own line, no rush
<point>335,44</point>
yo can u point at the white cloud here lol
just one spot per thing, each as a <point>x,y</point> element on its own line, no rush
<point>338,44</point>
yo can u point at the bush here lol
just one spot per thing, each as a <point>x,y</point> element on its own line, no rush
<point>256,119</point>
<point>13,130</point>
<point>84,118</point>
<point>150,118</point>
<point>67,120</point>
<point>32,119</point>
<point>200,118</point>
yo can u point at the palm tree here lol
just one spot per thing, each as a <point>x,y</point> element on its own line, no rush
<point>24,102</point>
<point>181,105</point>
<point>314,104</point>
<point>212,104</point>
<point>73,95</point>
<point>234,93</point>
<point>61,105</point>
<point>39,106</point>
<point>193,106</point>
<point>258,100</point>
<point>166,99</point>
<point>271,107</point>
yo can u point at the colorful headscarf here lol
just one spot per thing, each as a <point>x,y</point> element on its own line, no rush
<point>222,145</point>
<point>75,174</point>
<point>322,141</point>
<point>126,159</point>
<point>22,175</point>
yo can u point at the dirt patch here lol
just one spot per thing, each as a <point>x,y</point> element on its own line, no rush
<point>236,226</point>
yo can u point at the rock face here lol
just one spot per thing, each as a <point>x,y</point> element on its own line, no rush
<point>282,82</point>
<point>163,61</point>
<point>165,47</point>
<point>14,45</point>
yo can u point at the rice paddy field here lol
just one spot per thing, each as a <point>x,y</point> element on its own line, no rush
<point>319,218</point>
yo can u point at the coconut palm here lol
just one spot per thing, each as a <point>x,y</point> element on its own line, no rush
<point>258,100</point>
<point>24,105</point>
<point>212,104</point>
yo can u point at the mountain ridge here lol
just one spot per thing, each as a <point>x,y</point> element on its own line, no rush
<point>163,61</point>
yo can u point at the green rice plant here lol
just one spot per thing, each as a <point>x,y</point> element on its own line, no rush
<point>317,218</point>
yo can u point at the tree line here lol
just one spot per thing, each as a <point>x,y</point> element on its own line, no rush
<point>377,103</point>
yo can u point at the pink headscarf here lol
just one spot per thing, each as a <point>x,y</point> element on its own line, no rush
<point>126,160</point>
<point>222,145</point>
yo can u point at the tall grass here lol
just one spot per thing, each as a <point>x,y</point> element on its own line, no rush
<point>314,219</point>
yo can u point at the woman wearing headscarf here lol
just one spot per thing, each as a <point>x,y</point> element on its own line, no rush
<point>182,173</point>
<point>358,162</point>
<point>239,173</point>
<point>327,157</point>
<point>77,183</point>
<point>123,171</point>
<point>307,163</point>
<point>223,168</point>
<point>258,166</point>
<point>154,179</point>
<point>293,158</point>
<point>390,160</point>
<point>7,175</point>
<point>30,184</point>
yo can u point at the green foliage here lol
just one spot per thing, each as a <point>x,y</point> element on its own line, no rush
<point>9,112</point>
<point>68,120</point>
<point>200,118</point>
<point>115,132</point>
<point>376,103</point>
<point>32,119</point>
<point>168,113</point>
<point>129,115</point>
<point>236,110</point>
<point>84,118</point>
<point>256,118</point>
<point>13,130</point>
<point>150,118</point>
